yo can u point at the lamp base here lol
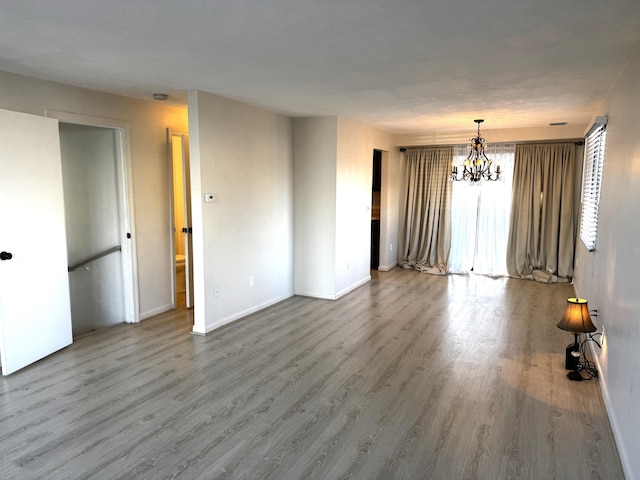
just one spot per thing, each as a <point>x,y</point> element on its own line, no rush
<point>571,360</point>
<point>575,376</point>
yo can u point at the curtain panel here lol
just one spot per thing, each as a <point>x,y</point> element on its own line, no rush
<point>542,230</point>
<point>426,232</point>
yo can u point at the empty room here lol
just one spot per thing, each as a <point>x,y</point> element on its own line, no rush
<point>287,240</point>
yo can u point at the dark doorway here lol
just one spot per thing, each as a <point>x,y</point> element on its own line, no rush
<point>375,209</point>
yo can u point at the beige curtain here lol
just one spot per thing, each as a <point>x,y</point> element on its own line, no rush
<point>542,231</point>
<point>426,233</point>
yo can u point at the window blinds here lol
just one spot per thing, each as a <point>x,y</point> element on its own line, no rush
<point>591,181</point>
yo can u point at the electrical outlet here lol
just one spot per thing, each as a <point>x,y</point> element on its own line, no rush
<point>251,281</point>
<point>216,290</point>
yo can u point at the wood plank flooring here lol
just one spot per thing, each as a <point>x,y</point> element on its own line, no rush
<point>411,376</point>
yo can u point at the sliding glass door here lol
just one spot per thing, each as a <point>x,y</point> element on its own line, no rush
<point>480,217</point>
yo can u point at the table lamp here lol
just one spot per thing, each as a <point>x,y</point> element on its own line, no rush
<point>576,320</point>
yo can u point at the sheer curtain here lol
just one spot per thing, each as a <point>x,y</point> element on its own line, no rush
<point>480,217</point>
<point>426,232</point>
<point>542,232</point>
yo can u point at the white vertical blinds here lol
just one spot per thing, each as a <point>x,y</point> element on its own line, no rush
<point>591,181</point>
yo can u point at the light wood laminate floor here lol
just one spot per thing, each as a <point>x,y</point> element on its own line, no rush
<point>411,376</point>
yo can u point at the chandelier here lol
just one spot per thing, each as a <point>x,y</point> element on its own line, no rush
<point>476,167</point>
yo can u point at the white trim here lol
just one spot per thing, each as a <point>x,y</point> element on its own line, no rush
<point>337,295</point>
<point>127,215</point>
<point>323,296</point>
<point>156,311</point>
<point>351,288</point>
<point>199,296</point>
<point>613,420</point>
<point>237,316</point>
<point>387,268</point>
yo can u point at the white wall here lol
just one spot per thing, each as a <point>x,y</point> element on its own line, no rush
<point>390,208</point>
<point>148,122</point>
<point>333,175</point>
<point>356,142</point>
<point>315,155</point>
<point>608,277</point>
<point>353,205</point>
<point>244,155</point>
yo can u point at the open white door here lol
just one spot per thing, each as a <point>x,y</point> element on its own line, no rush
<point>35,315</point>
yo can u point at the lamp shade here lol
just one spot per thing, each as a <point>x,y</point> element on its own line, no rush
<point>576,317</point>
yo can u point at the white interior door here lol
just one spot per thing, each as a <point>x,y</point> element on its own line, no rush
<point>35,315</point>
<point>187,214</point>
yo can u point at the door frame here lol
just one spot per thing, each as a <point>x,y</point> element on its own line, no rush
<point>186,172</point>
<point>124,172</point>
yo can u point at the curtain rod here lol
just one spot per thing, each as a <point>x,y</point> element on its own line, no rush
<point>576,141</point>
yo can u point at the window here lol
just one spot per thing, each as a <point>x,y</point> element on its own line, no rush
<point>480,217</point>
<point>591,181</point>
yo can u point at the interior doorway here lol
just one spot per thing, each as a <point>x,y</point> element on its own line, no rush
<point>376,189</point>
<point>181,229</point>
<point>96,181</point>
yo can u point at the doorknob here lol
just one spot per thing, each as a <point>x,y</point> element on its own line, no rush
<point>6,256</point>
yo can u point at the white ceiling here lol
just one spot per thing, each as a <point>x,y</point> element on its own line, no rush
<point>407,66</point>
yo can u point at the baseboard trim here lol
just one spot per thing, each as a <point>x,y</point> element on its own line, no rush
<point>386,268</point>
<point>352,287</point>
<point>210,327</point>
<point>155,311</point>
<point>323,296</point>
<point>335,296</point>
